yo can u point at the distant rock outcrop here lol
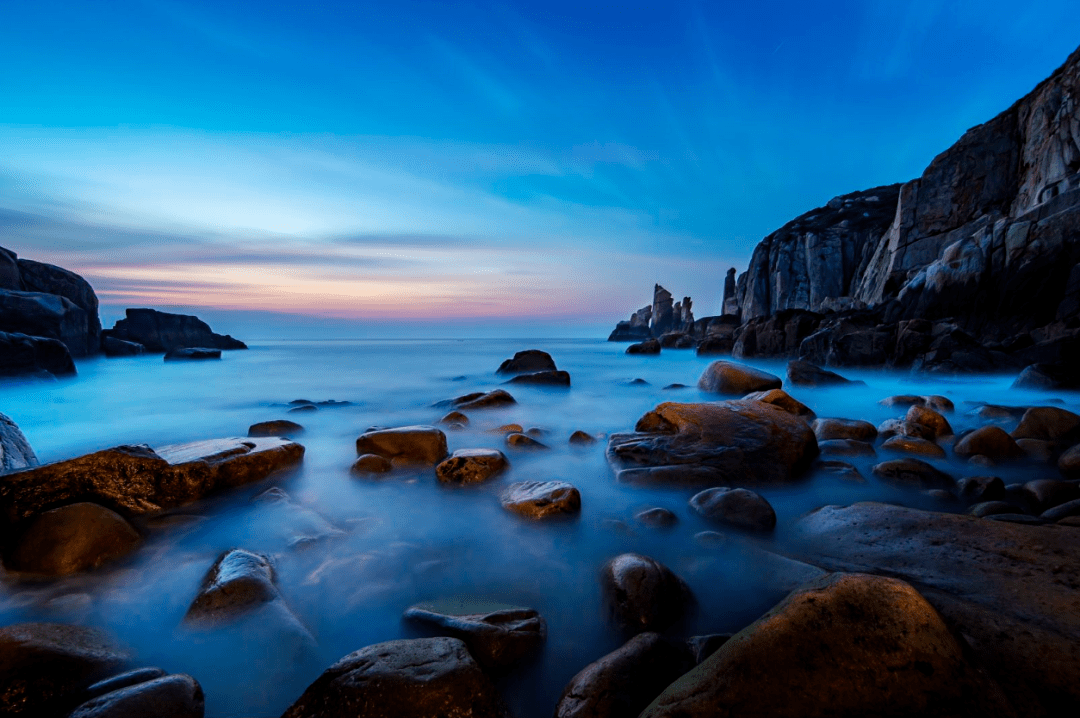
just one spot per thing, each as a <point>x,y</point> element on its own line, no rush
<point>661,317</point>
<point>165,332</point>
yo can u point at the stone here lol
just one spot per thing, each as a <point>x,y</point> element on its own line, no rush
<point>729,442</point>
<point>15,451</point>
<point>846,447</point>
<point>192,353</point>
<point>623,682</point>
<point>471,466</point>
<point>238,582</point>
<point>1061,511</point>
<point>842,470</point>
<point>481,400</point>
<point>705,646</point>
<point>507,429</point>
<point>1037,450</point>
<point>642,594</point>
<point>50,279</point>
<point>780,398</point>
<point>518,440</point>
<point>723,377</point>
<point>913,445</point>
<point>371,464</point>
<point>1048,423</point>
<point>405,445</point>
<point>990,441</point>
<point>123,680</point>
<point>1069,463</point>
<point>114,347</point>
<point>278,427</point>
<point>713,346</point>
<point>415,678</point>
<point>649,346</point>
<point>929,418</point>
<point>981,488</point>
<point>847,644</point>
<point>803,373</point>
<point>1047,493</point>
<point>454,417</point>
<point>46,667</point>
<point>1045,377</point>
<point>581,438</point>
<point>164,332</point>
<point>141,480</point>
<point>176,696</point>
<point>901,427</point>
<point>825,429</point>
<point>71,539</point>
<point>528,361</point>
<point>541,499</point>
<point>543,378</point>
<point>991,508</point>
<point>498,636</point>
<point>739,508</point>
<point>304,409</point>
<point>45,315</point>
<point>21,354</point>
<point>913,473</point>
<point>935,402</point>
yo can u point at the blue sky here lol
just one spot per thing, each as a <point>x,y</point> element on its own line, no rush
<point>471,161</point>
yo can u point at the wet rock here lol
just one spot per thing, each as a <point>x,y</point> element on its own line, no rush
<point>996,411</point>
<point>15,451</point>
<point>73,538</point>
<point>781,399</point>
<point>728,442</point>
<point>543,378</point>
<point>1036,450</point>
<point>192,353</point>
<point>676,340</point>
<point>638,382</point>
<point>304,409</point>
<point>846,447</point>
<point>176,696</point>
<point>981,488</point>
<point>1061,511</point>
<point>508,429</point>
<point>409,445</point>
<point>164,332</point>
<point>45,667</point>
<point>803,373</point>
<point>624,681</point>
<point>989,441</point>
<point>656,517</point>
<point>902,427</point>
<point>22,354</point>
<point>913,473</point>
<point>931,419</point>
<point>498,636</point>
<point>846,645</point>
<point>990,508</point>
<point>1048,423</point>
<point>649,346</point>
<point>140,480</point>
<point>1045,377</point>
<point>1017,519</point>
<point>540,499</point>
<point>1047,493</point>
<point>913,445</point>
<point>715,346</point>
<point>642,593</point>
<point>704,646</point>
<point>724,377</point>
<point>123,680</point>
<point>417,678</point>
<point>455,417</point>
<point>238,582</point>
<point>481,400</point>
<point>841,469</point>
<point>371,464</point>
<point>676,385</point>
<point>935,402</point>
<point>740,508</point>
<point>114,347</point>
<point>1069,463</point>
<point>825,429</point>
<point>528,361</point>
<point>536,432</point>
<point>580,438</point>
<point>279,427</point>
<point>471,466</point>
<point>518,440</point>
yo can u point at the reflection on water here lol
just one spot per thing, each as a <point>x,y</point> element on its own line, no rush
<point>351,554</point>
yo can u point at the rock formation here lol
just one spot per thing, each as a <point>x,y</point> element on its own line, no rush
<point>165,332</point>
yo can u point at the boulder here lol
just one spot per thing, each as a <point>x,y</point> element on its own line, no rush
<point>846,447</point>
<point>15,451</point>
<point>929,418</point>
<point>278,427</point>
<point>418,678</point>
<point>913,473</point>
<point>1061,511</point>
<point>73,538</point>
<point>543,378</point>
<point>498,636</point>
<point>623,682</point>
<point>194,354</point>
<point>528,361</point>
<point>649,346</point>
<point>541,499</point>
<point>46,315</point>
<point>914,445</point>
<point>408,445</point>
<point>141,480</point>
<point>581,438</point>
<point>164,332</point>
<point>1046,493</point>
<point>712,346</point>
<point>677,340</point>
<point>780,398</point>
<point>371,464</point>
<point>991,508</point>
<point>656,517</point>
<point>842,470</point>
<point>480,400</point>
<point>45,667</point>
<point>21,354</point>
<point>518,440</point>
<point>239,582</point>
<point>1069,462</point>
<point>856,429</point>
<point>935,402</point>
<point>1047,377</point>
<point>729,442</point>
<point>114,347</point>
<point>471,466</point>
<point>123,680</point>
<point>176,696</point>
<point>981,488</point>
<point>803,373</point>
<point>49,279</point>
<point>454,417</point>
<point>740,508</point>
<point>1048,423</point>
<point>902,427</point>
<point>990,441</point>
<point>724,377</point>
<point>846,645</point>
<point>642,594</point>
<point>1037,450</point>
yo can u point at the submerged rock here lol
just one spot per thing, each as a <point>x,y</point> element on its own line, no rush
<point>825,429</point>
<point>420,445</point>
<point>803,373</point>
<point>580,438</point>
<point>73,538</point>
<point>740,508</point>
<point>913,473</point>
<point>278,427</point>
<point>540,499</point>
<point>642,593</point>
<point>238,582</point>
<point>530,360</point>
<point>543,378</point>
<point>371,464</point>
<point>480,400</point>
<point>649,346</point>
<point>498,636</point>
<point>471,466</point>
<point>192,353</point>
<point>176,696</point>
<point>519,440</point>
<point>724,377</point>
<point>656,517</point>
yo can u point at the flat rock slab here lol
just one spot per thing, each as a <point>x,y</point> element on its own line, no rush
<point>1013,590</point>
<point>140,480</point>
<point>498,635</point>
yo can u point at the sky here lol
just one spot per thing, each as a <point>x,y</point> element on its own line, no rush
<point>500,166</point>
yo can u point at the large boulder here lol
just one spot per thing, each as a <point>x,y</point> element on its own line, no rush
<point>141,480</point>
<point>990,441</point>
<point>643,594</point>
<point>783,400</point>
<point>498,636</point>
<point>527,362</point>
<point>845,645</point>
<point>72,538</point>
<point>176,696</point>
<point>15,451</point>
<point>49,279</point>
<point>418,678</point>
<point>45,315</point>
<point>724,377</point>
<point>803,373</point>
<point>164,332</point>
<point>1048,423</point>
<point>23,354</point>
<point>735,443</point>
<point>409,445</point>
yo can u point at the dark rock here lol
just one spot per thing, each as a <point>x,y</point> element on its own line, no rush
<point>676,340</point>
<point>643,594</point>
<point>21,354</point>
<point>164,332</point>
<point>841,469</point>
<point>1048,423</point>
<point>278,427</point>
<point>1069,462</point>
<point>638,382</point>
<point>781,334</point>
<point>981,488</point>
<point>781,399</point>
<point>192,353</point>
<point>129,678</point>
<point>913,445</point>
<point>471,466</point>
<point>663,314</point>
<point>15,451</point>
<point>454,417</point>
<point>723,377</point>
<point>850,341</point>
<point>728,442</point>
<point>580,438</point>
<point>676,385</point>
<point>46,315</point>
<point>528,361</point>
<point>49,279</point>
<point>543,378</point>
<point>303,409</point>
<point>856,429</point>
<point>1037,450</point>
<point>1047,493</point>
<point>902,427</point>
<point>990,441</point>
<point>1017,519</point>
<point>712,346</point>
<point>10,277</point>
<point>931,419</point>
<point>649,346</point>
<point>300,402</point>
<point>177,696</point>
<point>1047,377</point>
<point>73,538</point>
<point>935,402</point>
<point>421,445</point>
<point>1061,511</point>
<point>846,447</point>
<point>518,440</point>
<point>847,645</point>
<point>803,373</point>
<point>626,332</point>
<point>114,347</point>
<point>540,499</point>
<point>237,583</point>
<point>480,400</point>
<point>740,508</point>
<point>418,678</point>
<point>913,473</point>
<point>45,667</point>
<point>990,508</point>
<point>705,646</point>
<point>624,681</point>
<point>656,517</point>
<point>498,636</point>
<point>371,464</point>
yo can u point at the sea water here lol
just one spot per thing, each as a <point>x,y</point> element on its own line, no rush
<point>351,554</point>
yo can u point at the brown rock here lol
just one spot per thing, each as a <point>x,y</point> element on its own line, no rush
<point>176,696</point>
<point>1048,423</point>
<point>740,508</point>
<point>580,438</point>
<point>279,427</point>
<point>902,427</point>
<point>935,402</point>
<point>1069,463</point>
<point>913,445</point>
<point>238,582</point>
<point>498,636</point>
<point>371,464</point>
<point>846,447</point>
<point>482,400</point>
<point>930,419</point>
<point>422,445</point>
<point>540,499</point>
<point>781,399</point>
<point>455,417</point>
<point>656,517</point>
<point>507,429</point>
<point>471,466</point>
<point>803,373</point>
<point>642,593</point>
<point>989,441</point>
<point>73,538</point>
<point>724,377</point>
<point>913,473</point>
<point>518,440</point>
<point>825,429</point>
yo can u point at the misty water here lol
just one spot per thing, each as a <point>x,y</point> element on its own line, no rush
<point>352,554</point>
